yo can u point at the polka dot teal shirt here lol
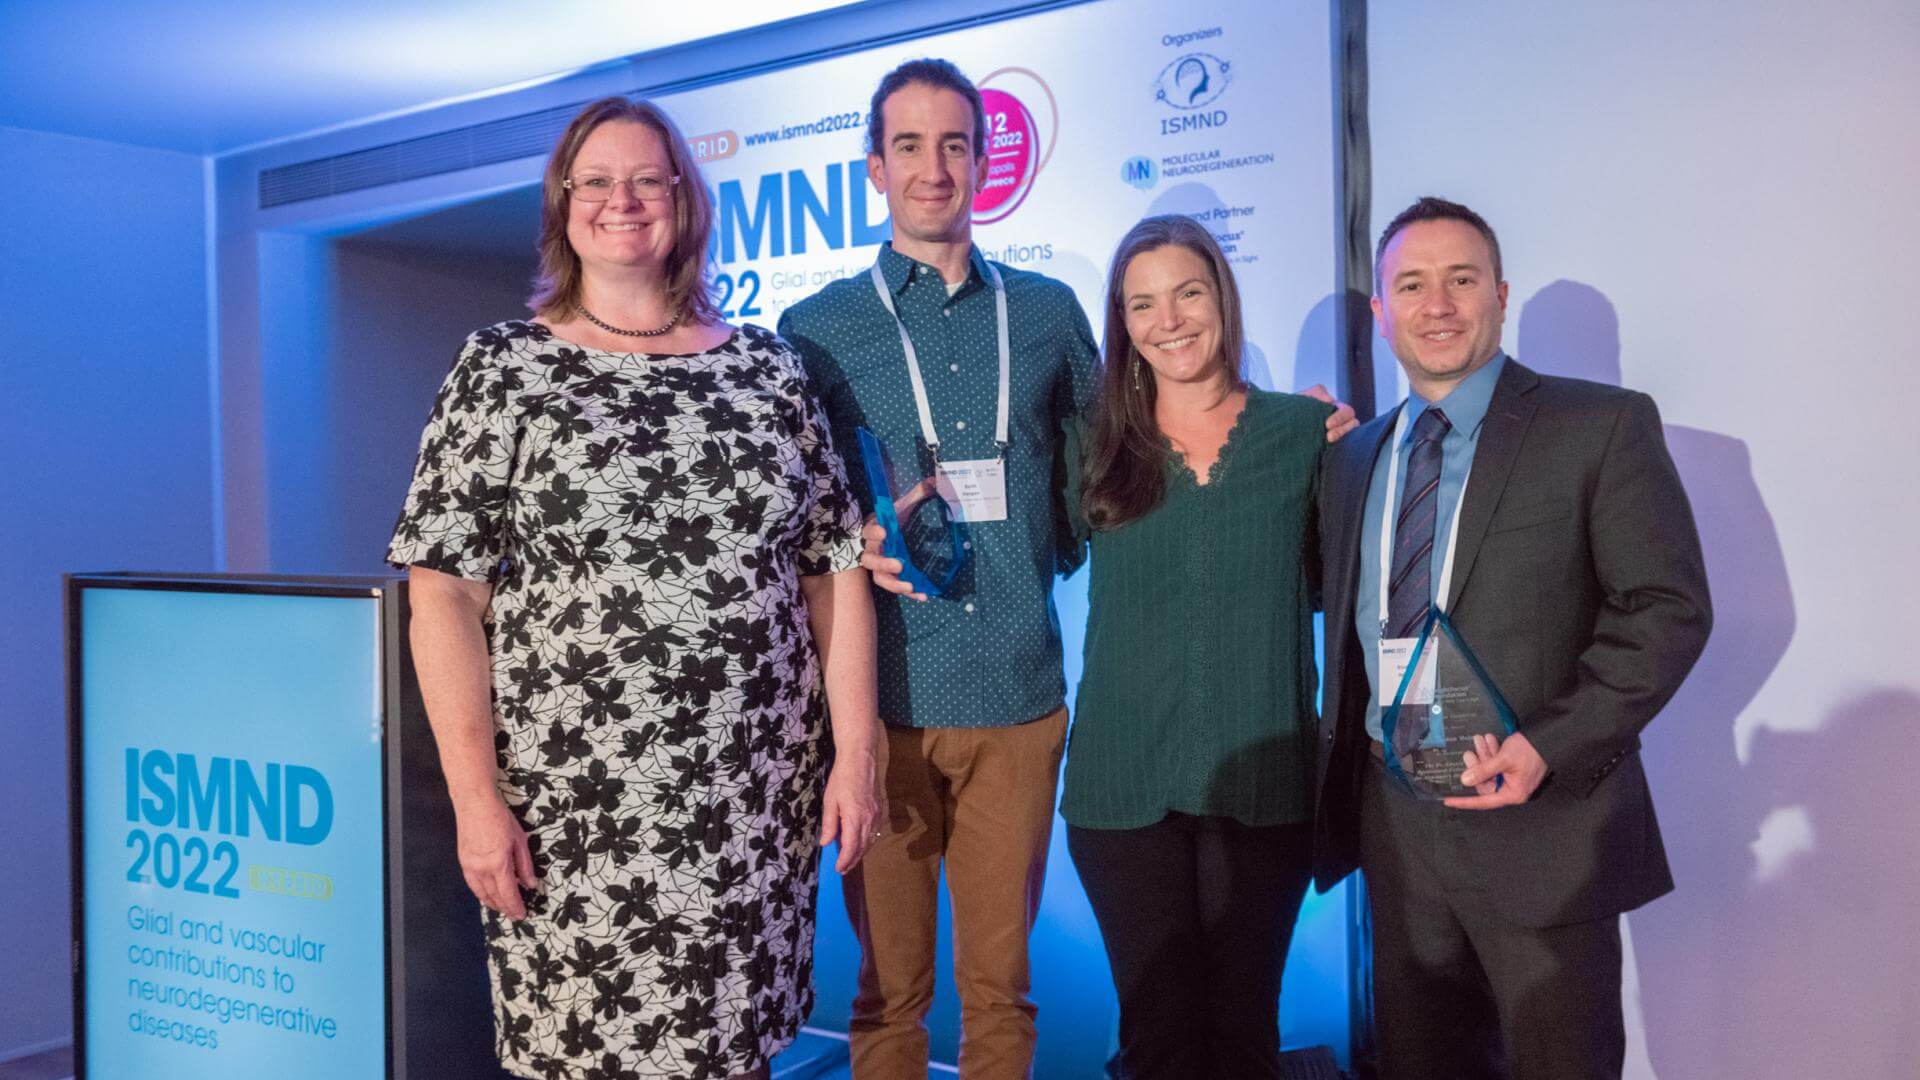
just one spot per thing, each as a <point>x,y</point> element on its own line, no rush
<point>987,652</point>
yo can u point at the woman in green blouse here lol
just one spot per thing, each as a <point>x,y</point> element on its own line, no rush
<point>1191,764</point>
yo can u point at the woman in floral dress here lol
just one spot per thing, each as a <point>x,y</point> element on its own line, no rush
<point>634,580</point>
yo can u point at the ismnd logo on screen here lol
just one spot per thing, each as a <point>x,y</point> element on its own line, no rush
<point>226,797</point>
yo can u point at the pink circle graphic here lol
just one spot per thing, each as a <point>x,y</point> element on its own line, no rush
<point>1013,157</point>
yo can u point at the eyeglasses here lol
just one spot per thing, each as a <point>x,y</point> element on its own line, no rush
<point>647,187</point>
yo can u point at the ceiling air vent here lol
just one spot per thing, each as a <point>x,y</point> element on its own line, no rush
<point>410,159</point>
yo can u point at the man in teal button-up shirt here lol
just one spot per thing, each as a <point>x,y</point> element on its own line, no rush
<point>986,653</point>
<point>970,681</point>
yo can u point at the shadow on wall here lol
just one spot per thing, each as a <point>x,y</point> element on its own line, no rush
<point>1789,876</point>
<point>1826,940</point>
<point>1314,362</point>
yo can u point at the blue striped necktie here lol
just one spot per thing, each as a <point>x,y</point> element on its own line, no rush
<point>1411,588</point>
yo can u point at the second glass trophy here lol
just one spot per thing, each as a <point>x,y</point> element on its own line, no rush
<point>1445,699</point>
<point>922,533</point>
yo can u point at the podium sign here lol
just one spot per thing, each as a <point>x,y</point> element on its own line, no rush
<point>264,874</point>
<point>230,896</point>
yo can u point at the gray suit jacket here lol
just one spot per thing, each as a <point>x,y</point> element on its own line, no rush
<point>1580,585</point>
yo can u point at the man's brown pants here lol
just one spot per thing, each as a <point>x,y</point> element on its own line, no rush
<point>981,800</point>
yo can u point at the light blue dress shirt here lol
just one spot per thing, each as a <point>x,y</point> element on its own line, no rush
<point>1466,409</point>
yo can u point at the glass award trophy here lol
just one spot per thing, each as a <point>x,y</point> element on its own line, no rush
<point>1444,700</point>
<point>922,533</point>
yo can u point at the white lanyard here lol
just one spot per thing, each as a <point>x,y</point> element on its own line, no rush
<point>927,431</point>
<point>1390,513</point>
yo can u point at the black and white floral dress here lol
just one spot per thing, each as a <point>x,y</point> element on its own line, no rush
<point>659,727</point>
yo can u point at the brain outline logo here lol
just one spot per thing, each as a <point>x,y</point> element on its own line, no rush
<point>1192,81</point>
<point>1192,72</point>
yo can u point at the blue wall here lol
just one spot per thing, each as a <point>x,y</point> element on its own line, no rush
<point>105,432</point>
<point>356,338</point>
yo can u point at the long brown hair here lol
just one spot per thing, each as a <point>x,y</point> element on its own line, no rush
<point>556,294</point>
<point>1126,458</point>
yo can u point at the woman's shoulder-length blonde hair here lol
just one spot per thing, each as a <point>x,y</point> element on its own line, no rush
<point>556,294</point>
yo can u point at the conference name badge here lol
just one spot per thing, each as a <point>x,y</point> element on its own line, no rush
<point>974,490</point>
<point>1395,655</point>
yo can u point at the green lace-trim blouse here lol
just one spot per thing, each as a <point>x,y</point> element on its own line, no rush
<point>1198,690</point>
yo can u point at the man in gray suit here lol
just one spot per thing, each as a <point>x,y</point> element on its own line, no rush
<point>1578,582</point>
